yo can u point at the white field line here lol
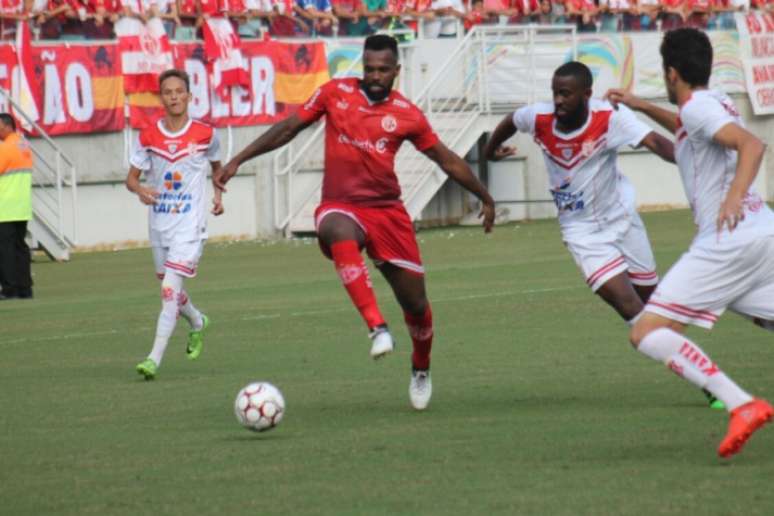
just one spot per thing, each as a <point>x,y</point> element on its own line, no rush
<point>259,317</point>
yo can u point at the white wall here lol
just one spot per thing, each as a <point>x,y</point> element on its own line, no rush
<point>108,216</point>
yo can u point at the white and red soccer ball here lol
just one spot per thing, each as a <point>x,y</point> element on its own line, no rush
<point>259,406</point>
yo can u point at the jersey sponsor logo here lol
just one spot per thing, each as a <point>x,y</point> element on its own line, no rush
<point>346,87</point>
<point>342,104</point>
<point>389,123</point>
<point>367,111</point>
<point>587,149</point>
<point>311,102</point>
<point>567,201</point>
<point>173,180</point>
<point>401,103</point>
<point>365,145</point>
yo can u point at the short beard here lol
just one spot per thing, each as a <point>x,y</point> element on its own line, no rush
<point>375,97</point>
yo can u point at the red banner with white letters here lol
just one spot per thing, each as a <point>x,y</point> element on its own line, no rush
<point>79,87</point>
<point>82,87</point>
<point>281,77</point>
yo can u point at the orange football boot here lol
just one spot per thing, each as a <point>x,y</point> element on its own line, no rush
<point>743,422</point>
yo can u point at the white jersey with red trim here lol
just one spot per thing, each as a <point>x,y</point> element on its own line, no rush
<point>707,168</point>
<point>176,165</point>
<point>587,187</point>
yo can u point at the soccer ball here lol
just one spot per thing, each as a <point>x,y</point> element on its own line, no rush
<point>259,406</point>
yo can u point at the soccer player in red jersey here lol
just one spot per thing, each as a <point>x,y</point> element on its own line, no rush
<point>367,121</point>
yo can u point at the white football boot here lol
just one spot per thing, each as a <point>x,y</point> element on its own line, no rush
<point>381,342</point>
<point>420,388</point>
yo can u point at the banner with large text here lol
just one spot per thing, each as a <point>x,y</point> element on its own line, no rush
<point>282,76</point>
<point>81,90</point>
<point>756,45</point>
<point>82,87</point>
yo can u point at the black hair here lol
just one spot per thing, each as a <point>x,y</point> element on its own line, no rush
<point>381,42</point>
<point>174,72</point>
<point>8,120</point>
<point>578,70</point>
<point>688,51</point>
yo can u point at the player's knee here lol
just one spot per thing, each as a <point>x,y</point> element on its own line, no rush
<point>638,332</point>
<point>416,307</point>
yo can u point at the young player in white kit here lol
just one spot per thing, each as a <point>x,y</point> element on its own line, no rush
<point>730,263</point>
<point>175,154</point>
<point>580,137</point>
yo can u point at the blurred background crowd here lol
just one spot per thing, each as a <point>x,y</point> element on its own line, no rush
<point>94,19</point>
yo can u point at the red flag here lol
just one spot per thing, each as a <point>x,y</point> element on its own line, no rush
<point>224,56</point>
<point>145,53</point>
<point>29,88</point>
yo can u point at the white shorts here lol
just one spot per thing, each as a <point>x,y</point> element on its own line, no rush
<point>622,246</point>
<point>181,258</point>
<point>710,278</point>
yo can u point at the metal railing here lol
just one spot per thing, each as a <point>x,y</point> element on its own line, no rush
<point>492,69</point>
<point>53,172</point>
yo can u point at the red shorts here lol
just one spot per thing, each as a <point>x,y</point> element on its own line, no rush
<point>388,231</point>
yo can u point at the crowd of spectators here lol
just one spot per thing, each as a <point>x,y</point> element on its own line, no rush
<point>94,19</point>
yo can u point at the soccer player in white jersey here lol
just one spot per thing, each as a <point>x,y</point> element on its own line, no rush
<point>175,154</point>
<point>580,137</point>
<point>730,263</point>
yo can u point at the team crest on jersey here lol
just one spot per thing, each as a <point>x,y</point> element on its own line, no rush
<point>389,123</point>
<point>172,147</point>
<point>342,104</point>
<point>567,153</point>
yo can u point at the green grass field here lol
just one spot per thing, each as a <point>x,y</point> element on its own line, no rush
<point>540,406</point>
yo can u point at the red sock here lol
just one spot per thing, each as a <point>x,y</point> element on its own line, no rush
<point>354,275</point>
<point>420,328</point>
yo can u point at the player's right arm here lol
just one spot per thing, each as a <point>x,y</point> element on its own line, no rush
<point>278,135</point>
<point>146,195</point>
<point>495,150</point>
<point>665,118</point>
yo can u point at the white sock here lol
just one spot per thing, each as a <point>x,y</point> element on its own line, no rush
<point>190,312</point>
<point>689,361</point>
<point>171,286</point>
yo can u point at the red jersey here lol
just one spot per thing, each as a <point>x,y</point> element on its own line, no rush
<point>362,139</point>
<point>234,6</point>
<point>110,6</point>
<point>211,7</point>
<point>11,7</point>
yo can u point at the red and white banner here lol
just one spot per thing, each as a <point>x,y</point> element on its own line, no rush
<point>224,56</point>
<point>145,53</point>
<point>756,45</point>
<point>79,87</point>
<point>28,90</point>
<point>281,76</point>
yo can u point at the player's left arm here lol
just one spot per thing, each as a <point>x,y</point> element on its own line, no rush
<point>217,197</point>
<point>456,168</point>
<point>660,146</point>
<point>749,151</point>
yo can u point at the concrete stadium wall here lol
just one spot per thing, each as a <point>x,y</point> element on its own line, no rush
<point>109,217</point>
